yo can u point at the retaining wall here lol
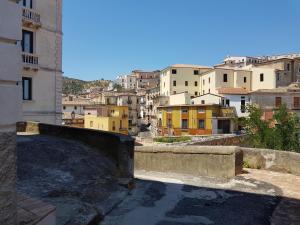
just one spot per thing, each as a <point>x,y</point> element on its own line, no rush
<point>281,161</point>
<point>209,161</point>
<point>119,147</point>
<point>225,141</point>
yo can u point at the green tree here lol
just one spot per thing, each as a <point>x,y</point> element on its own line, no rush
<point>287,129</point>
<point>263,134</point>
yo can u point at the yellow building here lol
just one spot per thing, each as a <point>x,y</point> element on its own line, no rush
<point>180,120</point>
<point>107,117</point>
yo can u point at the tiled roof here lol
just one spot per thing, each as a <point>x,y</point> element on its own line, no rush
<point>233,91</point>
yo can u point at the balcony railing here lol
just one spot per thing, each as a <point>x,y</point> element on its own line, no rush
<point>30,61</point>
<point>31,18</point>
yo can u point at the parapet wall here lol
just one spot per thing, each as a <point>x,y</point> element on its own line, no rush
<point>119,147</point>
<point>281,161</point>
<point>209,161</point>
<point>224,141</point>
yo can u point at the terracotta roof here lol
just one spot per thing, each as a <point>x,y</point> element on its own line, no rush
<point>233,91</point>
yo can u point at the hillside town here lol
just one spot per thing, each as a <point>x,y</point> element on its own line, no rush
<point>182,144</point>
<point>184,99</point>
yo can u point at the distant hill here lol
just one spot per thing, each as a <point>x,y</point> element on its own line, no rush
<point>76,86</point>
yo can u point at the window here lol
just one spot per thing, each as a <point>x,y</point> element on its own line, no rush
<point>184,124</point>
<point>27,41</point>
<point>196,72</point>
<point>91,123</point>
<point>121,124</point>
<point>201,124</point>
<point>196,93</point>
<point>243,105</point>
<point>203,82</point>
<point>196,83</point>
<point>75,107</point>
<point>203,92</point>
<point>174,71</point>
<point>202,102</point>
<point>278,76</point>
<point>245,79</point>
<point>169,110</point>
<point>113,125</point>
<point>209,80</point>
<point>184,110</point>
<point>64,107</point>
<point>288,67</point>
<point>201,110</point>
<point>164,84</point>
<point>225,77</point>
<point>277,101</point>
<point>174,83</point>
<point>297,102</point>
<point>174,92</point>
<point>27,3</point>
<point>261,77</point>
<point>186,83</point>
<point>227,102</point>
<point>208,90</point>
<point>27,88</point>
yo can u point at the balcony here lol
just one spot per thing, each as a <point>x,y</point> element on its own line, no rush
<point>31,18</point>
<point>30,61</point>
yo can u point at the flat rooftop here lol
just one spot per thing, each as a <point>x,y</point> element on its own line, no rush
<point>80,183</point>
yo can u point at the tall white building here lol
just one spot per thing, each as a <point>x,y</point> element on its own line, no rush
<point>42,60</point>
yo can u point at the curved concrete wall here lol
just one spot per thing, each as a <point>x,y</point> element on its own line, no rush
<point>119,147</point>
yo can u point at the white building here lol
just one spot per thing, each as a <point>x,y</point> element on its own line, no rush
<point>42,60</point>
<point>127,81</point>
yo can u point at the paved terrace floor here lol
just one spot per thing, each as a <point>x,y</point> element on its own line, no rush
<point>256,197</point>
<point>81,184</point>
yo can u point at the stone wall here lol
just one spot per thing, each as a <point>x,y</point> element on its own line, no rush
<point>225,141</point>
<point>118,147</point>
<point>282,161</point>
<point>217,162</point>
<point>7,178</point>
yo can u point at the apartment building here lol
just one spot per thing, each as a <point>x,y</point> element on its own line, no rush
<point>127,99</point>
<point>181,78</point>
<point>270,99</point>
<point>42,60</point>
<point>239,61</point>
<point>179,120</point>
<point>10,100</point>
<point>146,80</point>
<point>127,81</point>
<point>107,117</point>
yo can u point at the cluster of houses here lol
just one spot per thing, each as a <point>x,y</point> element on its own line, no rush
<point>190,99</point>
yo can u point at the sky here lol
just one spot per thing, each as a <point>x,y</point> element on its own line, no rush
<point>107,38</point>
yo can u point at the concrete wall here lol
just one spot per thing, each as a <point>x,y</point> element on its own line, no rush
<point>217,162</point>
<point>119,147</point>
<point>10,101</point>
<point>282,161</point>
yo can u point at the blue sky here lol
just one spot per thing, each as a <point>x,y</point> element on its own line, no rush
<point>106,38</point>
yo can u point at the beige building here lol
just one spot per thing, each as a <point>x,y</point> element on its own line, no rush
<point>270,99</point>
<point>10,100</point>
<point>181,78</point>
<point>42,60</point>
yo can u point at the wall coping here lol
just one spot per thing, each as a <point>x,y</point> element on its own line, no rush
<point>216,150</point>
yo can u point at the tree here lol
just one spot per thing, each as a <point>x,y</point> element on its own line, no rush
<point>263,134</point>
<point>287,129</point>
